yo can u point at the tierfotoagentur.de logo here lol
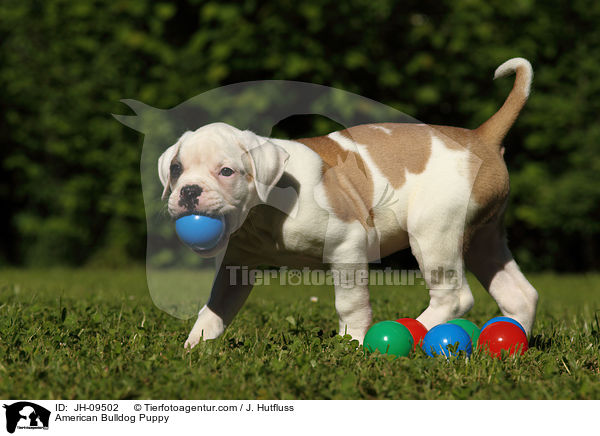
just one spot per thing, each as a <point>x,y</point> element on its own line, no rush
<point>24,415</point>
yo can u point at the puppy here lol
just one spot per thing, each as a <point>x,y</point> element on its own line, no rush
<point>351,197</point>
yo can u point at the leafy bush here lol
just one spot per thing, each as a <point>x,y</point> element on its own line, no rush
<point>70,172</point>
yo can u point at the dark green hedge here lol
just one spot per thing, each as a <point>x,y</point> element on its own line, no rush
<point>70,173</point>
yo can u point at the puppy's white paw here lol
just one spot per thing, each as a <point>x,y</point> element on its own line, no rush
<point>192,340</point>
<point>357,334</point>
<point>208,326</point>
<point>199,333</point>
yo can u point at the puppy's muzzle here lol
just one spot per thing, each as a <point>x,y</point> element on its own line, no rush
<point>188,196</point>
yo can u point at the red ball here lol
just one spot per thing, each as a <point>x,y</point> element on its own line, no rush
<point>503,335</point>
<point>416,329</point>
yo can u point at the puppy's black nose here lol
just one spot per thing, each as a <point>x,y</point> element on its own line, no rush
<point>188,196</point>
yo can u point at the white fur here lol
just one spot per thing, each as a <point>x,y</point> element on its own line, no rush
<point>510,66</point>
<point>436,221</point>
<point>383,129</point>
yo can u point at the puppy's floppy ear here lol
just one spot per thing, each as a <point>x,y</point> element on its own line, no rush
<point>266,161</point>
<point>164,168</point>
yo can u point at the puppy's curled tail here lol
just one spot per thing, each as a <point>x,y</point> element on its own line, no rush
<point>495,129</point>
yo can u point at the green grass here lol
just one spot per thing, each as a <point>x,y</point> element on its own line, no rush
<point>81,334</point>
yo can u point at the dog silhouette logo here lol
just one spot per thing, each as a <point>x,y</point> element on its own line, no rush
<point>26,415</point>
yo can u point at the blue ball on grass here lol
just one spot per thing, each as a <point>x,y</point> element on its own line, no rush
<point>438,339</point>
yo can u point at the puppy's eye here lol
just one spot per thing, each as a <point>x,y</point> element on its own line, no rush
<point>175,170</point>
<point>226,171</point>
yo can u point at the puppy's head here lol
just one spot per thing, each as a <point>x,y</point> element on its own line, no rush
<point>219,171</point>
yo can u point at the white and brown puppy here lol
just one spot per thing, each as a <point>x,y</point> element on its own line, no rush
<point>362,193</point>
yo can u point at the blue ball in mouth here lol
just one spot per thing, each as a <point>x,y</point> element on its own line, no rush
<point>200,232</point>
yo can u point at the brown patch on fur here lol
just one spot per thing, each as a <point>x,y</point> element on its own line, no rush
<point>405,147</point>
<point>347,180</point>
<point>392,236</point>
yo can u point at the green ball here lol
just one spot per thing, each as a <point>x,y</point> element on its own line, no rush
<point>470,327</point>
<point>388,337</point>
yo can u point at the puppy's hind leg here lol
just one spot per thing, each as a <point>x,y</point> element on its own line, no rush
<point>439,254</point>
<point>489,258</point>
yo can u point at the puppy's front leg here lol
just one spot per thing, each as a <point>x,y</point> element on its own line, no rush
<point>227,297</point>
<point>351,282</point>
<point>345,249</point>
